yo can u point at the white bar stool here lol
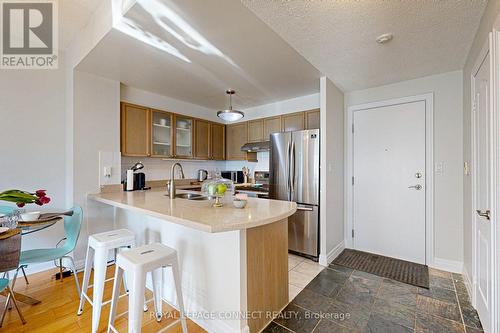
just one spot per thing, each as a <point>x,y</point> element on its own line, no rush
<point>97,253</point>
<point>136,263</point>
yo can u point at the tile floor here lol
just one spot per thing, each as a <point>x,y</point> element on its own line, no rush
<point>339,299</point>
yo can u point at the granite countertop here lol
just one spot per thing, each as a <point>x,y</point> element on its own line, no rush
<point>199,215</point>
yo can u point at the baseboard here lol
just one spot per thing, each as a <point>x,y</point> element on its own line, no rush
<point>325,260</point>
<point>448,265</point>
<point>468,284</point>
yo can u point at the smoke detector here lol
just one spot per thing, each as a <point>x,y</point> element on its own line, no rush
<point>385,38</point>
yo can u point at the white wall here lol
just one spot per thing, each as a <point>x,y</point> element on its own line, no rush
<point>332,171</point>
<point>96,116</point>
<point>32,130</point>
<point>491,19</point>
<point>165,103</point>
<point>448,218</point>
<point>301,103</point>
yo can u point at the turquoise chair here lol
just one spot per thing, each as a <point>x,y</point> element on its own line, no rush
<point>72,226</point>
<point>6,210</point>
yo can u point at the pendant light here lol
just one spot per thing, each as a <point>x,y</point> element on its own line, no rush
<point>230,114</point>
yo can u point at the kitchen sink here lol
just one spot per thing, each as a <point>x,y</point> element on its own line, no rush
<point>191,196</point>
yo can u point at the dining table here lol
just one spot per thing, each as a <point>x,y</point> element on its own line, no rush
<point>26,228</point>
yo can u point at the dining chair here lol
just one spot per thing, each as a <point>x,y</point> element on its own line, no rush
<point>10,250</point>
<point>72,226</point>
<point>9,210</point>
<point>6,210</point>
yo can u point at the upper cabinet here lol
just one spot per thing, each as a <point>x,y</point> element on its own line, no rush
<point>202,139</point>
<point>217,141</point>
<point>183,137</point>
<point>293,122</point>
<point>271,125</point>
<point>312,119</point>
<point>156,133</point>
<point>255,130</point>
<point>236,136</point>
<point>134,130</point>
<point>161,134</point>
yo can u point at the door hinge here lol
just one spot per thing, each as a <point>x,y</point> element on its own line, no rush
<point>353,181</point>
<point>352,232</point>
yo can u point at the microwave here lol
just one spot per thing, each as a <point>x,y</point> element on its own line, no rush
<point>236,176</point>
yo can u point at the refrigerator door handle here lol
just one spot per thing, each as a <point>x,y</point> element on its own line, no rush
<point>287,166</point>
<point>292,173</point>
<point>307,209</point>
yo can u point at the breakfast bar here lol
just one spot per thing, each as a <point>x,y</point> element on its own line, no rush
<point>233,261</point>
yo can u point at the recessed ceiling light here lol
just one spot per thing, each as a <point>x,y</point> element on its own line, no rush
<point>385,38</point>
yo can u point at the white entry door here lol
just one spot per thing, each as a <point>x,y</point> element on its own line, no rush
<point>482,192</point>
<point>389,181</point>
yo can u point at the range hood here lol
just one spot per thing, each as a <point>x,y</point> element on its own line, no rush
<point>253,147</point>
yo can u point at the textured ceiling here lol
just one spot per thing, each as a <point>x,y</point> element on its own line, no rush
<point>338,37</point>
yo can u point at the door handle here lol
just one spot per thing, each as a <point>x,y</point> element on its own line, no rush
<point>486,213</point>
<point>307,209</point>
<point>417,187</point>
<point>287,167</point>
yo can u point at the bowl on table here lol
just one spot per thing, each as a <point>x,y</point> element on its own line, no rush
<point>30,216</point>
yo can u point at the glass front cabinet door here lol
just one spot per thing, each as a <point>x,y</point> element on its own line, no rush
<point>183,137</point>
<point>161,140</point>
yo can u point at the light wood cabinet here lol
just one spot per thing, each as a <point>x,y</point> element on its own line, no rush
<point>292,122</point>
<point>134,130</point>
<point>217,142</point>
<point>312,118</point>
<point>161,134</point>
<point>255,130</point>
<point>202,139</point>
<point>183,137</point>
<point>236,136</point>
<point>271,125</point>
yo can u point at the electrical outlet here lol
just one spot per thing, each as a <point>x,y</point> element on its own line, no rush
<point>107,171</point>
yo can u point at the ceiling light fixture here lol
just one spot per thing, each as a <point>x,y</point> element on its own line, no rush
<point>230,114</point>
<point>385,38</point>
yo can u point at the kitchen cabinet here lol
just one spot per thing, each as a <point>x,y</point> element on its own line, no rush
<point>202,139</point>
<point>134,130</point>
<point>217,141</point>
<point>183,137</point>
<point>271,125</point>
<point>255,130</point>
<point>312,118</point>
<point>292,122</point>
<point>161,134</point>
<point>236,137</point>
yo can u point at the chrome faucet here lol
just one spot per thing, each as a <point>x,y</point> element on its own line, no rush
<point>171,183</point>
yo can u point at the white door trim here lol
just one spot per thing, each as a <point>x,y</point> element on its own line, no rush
<point>492,46</point>
<point>496,179</point>
<point>429,163</point>
<point>479,61</point>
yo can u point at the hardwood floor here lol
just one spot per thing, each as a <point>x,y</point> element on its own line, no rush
<point>59,304</point>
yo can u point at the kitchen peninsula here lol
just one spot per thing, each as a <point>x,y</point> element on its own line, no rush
<point>234,262</point>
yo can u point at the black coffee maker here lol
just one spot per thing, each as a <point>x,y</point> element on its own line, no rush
<point>135,181</point>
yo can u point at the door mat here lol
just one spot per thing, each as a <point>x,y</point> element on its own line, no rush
<point>391,268</point>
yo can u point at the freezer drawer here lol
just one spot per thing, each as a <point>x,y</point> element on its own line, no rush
<point>303,230</point>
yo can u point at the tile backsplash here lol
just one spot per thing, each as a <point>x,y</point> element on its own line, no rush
<point>157,169</point>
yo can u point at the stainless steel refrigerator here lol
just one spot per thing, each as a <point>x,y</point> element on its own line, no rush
<point>294,176</point>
